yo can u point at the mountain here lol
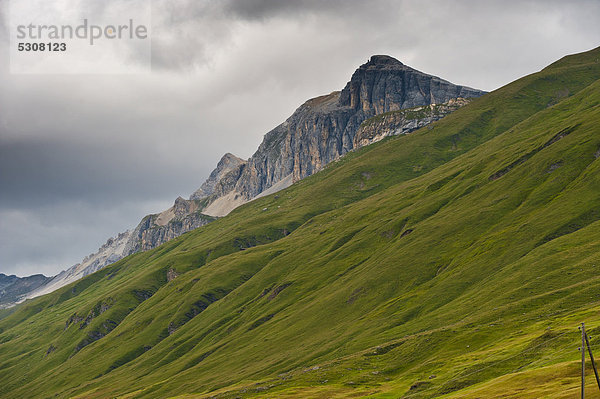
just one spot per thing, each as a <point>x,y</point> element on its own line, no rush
<point>403,121</point>
<point>323,128</point>
<point>151,232</point>
<point>319,132</point>
<point>456,261</point>
<point>227,164</point>
<point>13,288</point>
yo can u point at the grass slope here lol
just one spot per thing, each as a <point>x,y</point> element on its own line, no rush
<point>455,261</point>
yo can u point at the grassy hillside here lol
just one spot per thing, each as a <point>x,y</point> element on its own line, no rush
<point>456,261</point>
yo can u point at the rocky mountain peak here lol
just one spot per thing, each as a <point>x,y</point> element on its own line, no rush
<point>228,158</point>
<point>181,207</point>
<point>323,129</point>
<point>226,164</point>
<point>384,84</point>
<point>379,60</point>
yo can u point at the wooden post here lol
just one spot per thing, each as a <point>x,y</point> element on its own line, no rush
<point>587,341</point>
<point>582,328</point>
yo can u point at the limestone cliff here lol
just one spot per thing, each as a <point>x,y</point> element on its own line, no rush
<point>159,228</point>
<point>403,121</point>
<point>227,163</point>
<point>324,128</point>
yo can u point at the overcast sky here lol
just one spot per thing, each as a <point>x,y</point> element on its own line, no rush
<point>84,157</point>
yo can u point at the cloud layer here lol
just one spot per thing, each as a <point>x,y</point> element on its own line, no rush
<point>83,157</point>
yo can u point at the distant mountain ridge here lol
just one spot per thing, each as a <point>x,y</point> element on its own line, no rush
<point>13,288</point>
<point>320,131</point>
<point>151,232</point>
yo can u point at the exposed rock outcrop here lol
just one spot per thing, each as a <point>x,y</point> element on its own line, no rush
<point>403,121</point>
<point>157,229</point>
<point>228,163</point>
<point>324,128</point>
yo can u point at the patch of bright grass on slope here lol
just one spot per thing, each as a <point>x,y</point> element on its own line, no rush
<point>406,245</point>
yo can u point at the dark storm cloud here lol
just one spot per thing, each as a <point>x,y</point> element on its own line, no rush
<point>85,157</point>
<point>206,26</point>
<point>264,9</point>
<point>43,171</point>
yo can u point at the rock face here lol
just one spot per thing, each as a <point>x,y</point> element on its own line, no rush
<point>228,163</point>
<point>403,121</point>
<point>385,84</point>
<point>324,128</point>
<point>157,229</point>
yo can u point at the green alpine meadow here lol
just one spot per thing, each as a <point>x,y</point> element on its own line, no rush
<point>456,261</point>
